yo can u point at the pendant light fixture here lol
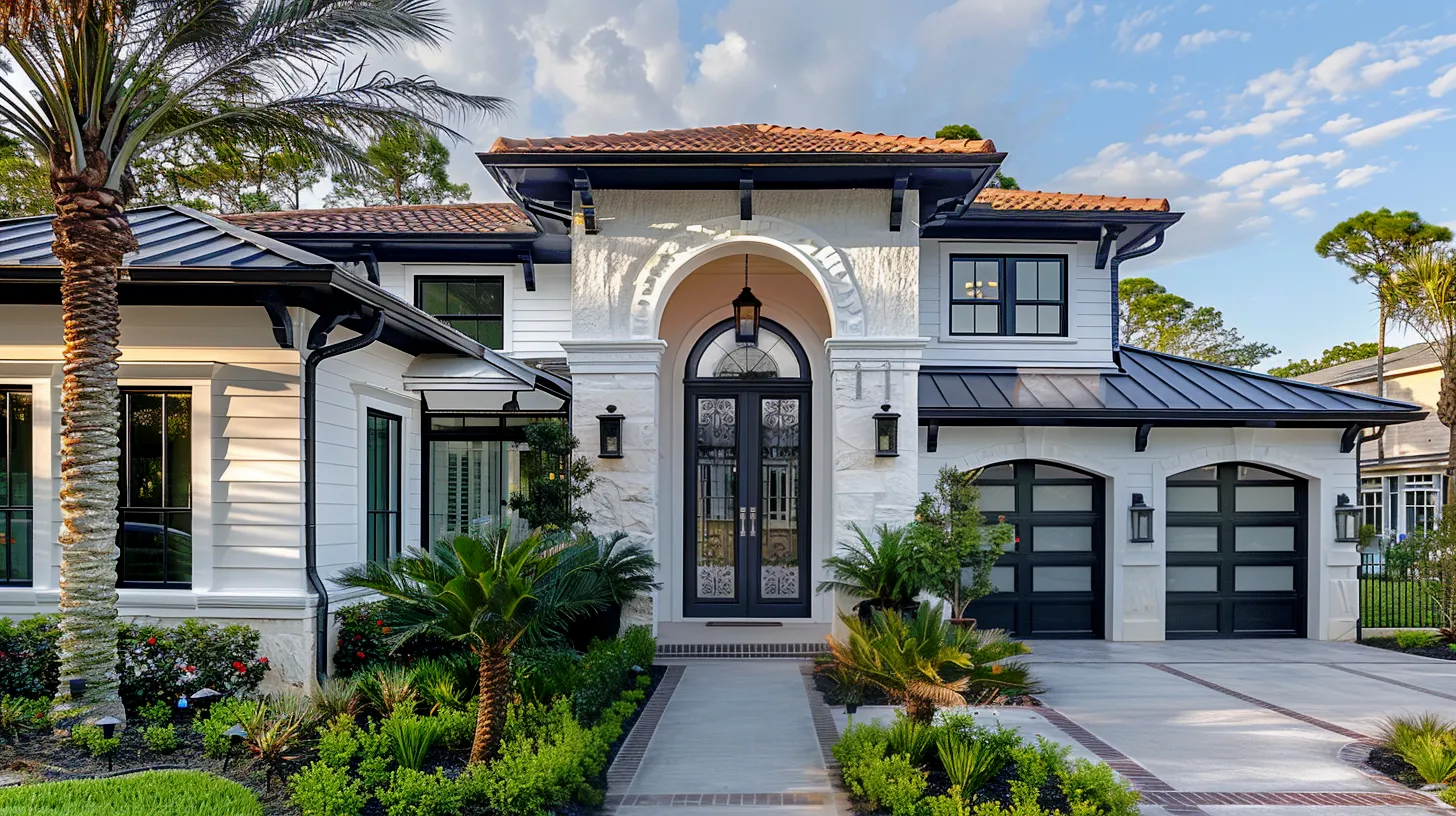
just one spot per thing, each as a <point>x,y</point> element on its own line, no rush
<point>745,312</point>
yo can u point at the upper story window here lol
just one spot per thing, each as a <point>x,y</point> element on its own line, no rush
<point>1025,296</point>
<point>156,490</point>
<point>17,500</point>
<point>475,306</point>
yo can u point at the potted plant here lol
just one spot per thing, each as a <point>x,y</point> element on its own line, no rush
<point>885,571</point>
<point>953,539</point>
<point>609,570</point>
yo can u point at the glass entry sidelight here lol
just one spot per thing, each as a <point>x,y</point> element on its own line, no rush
<point>747,541</point>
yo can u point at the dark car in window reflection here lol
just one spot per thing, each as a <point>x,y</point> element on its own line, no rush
<point>154,553</point>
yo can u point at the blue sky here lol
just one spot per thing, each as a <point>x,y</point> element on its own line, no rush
<point>1266,123</point>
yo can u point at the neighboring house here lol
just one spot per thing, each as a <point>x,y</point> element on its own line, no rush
<point>1402,472</point>
<point>905,308</point>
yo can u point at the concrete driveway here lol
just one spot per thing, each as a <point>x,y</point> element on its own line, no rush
<point>1261,727</point>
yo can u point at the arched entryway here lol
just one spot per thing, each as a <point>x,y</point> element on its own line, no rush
<point>1237,553</point>
<point>747,532</point>
<point>1050,583</point>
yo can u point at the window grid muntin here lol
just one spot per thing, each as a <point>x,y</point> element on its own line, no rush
<point>490,319</point>
<point>170,515</point>
<point>1007,299</point>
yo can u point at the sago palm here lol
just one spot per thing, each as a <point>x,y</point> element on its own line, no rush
<point>486,593</point>
<point>92,84</point>
<point>883,570</point>
<point>928,662</point>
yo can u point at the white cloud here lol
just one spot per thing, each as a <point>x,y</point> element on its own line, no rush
<point>1342,123</point>
<point>1203,9</point>
<point>1260,125</point>
<point>1279,87</point>
<point>1131,35</point>
<point>1298,141</point>
<point>1391,128</point>
<point>1074,16</point>
<point>1147,42</point>
<point>1188,43</point>
<point>1192,155</point>
<point>1198,115</point>
<point>1356,176</point>
<point>1296,194</point>
<point>1442,84</point>
<point>1113,85</point>
<point>1263,174</point>
<point>1344,72</point>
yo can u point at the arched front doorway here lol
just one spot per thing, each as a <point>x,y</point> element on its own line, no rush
<point>1237,553</point>
<point>746,543</point>
<point>1049,583</point>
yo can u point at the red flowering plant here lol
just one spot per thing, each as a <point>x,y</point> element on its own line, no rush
<point>162,663</point>
<point>365,637</point>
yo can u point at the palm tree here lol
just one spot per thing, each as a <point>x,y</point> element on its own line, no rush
<point>884,570</point>
<point>105,80</point>
<point>486,593</point>
<point>1424,298</point>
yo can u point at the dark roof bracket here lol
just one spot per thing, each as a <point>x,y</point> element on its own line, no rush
<point>582,184</point>
<point>371,263</point>
<point>1141,443</point>
<point>318,333</point>
<point>745,195</point>
<point>280,318</point>
<point>932,437</point>
<point>897,200</point>
<point>528,271</point>
<point>1350,437</point>
<point>1110,233</point>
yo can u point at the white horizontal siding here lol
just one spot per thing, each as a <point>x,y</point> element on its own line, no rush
<point>538,321</point>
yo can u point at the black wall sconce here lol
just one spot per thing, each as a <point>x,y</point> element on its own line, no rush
<point>887,432</point>
<point>1347,520</point>
<point>611,436</point>
<point>1140,521</point>
<point>78,687</point>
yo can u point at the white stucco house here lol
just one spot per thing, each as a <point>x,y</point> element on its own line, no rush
<point>308,389</point>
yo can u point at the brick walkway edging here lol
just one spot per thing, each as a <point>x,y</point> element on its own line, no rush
<point>827,732</point>
<point>629,757</point>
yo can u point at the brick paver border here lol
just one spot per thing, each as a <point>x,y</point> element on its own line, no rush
<point>709,799</point>
<point>1265,704</point>
<point>1170,799</point>
<point>1412,686</point>
<point>629,757</point>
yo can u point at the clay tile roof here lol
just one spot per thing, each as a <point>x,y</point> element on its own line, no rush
<point>1036,200</point>
<point>743,139</point>
<point>487,219</point>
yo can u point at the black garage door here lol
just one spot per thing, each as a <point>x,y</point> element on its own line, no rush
<point>1050,585</point>
<point>1237,543</point>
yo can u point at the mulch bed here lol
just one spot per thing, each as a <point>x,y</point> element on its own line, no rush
<point>1394,767</point>
<point>42,758</point>
<point>1440,651</point>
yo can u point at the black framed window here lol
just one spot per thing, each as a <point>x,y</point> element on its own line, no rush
<point>384,471</point>
<point>474,306</point>
<point>155,515</point>
<point>17,497</point>
<point>1010,295</point>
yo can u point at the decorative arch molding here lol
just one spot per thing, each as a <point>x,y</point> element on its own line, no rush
<point>1040,451</point>
<point>1281,459</point>
<point>787,241</point>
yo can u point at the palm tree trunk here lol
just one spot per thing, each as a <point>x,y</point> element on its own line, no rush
<point>1446,413</point>
<point>91,238</point>
<point>919,709</point>
<point>495,689</point>
<point>1380,371</point>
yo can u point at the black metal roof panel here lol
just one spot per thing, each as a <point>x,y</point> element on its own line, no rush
<point>1152,386</point>
<point>170,236</point>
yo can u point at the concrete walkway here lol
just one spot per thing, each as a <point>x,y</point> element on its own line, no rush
<point>734,729</point>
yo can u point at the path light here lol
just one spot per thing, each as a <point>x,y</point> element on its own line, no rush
<point>235,736</point>
<point>1347,520</point>
<point>205,697</point>
<point>1140,521</point>
<point>887,432</point>
<point>745,312</point>
<point>78,687</point>
<point>611,434</point>
<point>108,729</point>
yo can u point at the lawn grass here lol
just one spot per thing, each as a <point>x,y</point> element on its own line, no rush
<point>154,793</point>
<point>1394,604</point>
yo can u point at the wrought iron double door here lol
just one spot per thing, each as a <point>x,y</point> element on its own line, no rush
<point>747,503</point>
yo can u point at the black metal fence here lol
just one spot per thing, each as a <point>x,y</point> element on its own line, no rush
<point>1389,598</point>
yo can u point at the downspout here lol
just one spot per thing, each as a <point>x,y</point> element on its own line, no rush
<point>318,336</point>
<point>1117,260</point>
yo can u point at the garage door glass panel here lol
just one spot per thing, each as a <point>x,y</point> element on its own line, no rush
<point>1264,539</point>
<point>1273,499</point>
<point>1003,578</point>
<point>1192,579</point>
<point>1063,498</point>
<point>1193,500</point>
<point>1263,579</point>
<point>1192,539</point>
<point>998,499</point>
<point>1061,579</point>
<point>1061,539</point>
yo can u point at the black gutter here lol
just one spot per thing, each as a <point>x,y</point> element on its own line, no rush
<point>1187,419</point>
<point>569,159</point>
<point>318,335</point>
<point>1147,248</point>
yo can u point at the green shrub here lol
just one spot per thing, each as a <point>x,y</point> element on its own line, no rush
<point>1448,795</point>
<point>373,772</point>
<point>322,789</point>
<point>1415,639</point>
<point>335,697</point>
<point>154,793</point>
<point>446,683</point>
<point>645,680</point>
<point>410,739</point>
<point>156,713</point>
<point>910,738</point>
<point>640,645</point>
<point>275,727</point>
<point>389,690</point>
<point>952,804</point>
<point>30,664</point>
<point>1398,733</point>
<point>223,715</point>
<point>161,739</point>
<point>415,793</point>
<point>970,765</point>
<point>1433,757</point>
<point>164,663</point>
<point>1093,789</point>
<point>541,673</point>
<point>92,740</point>
<point>604,672</point>
<point>365,640</point>
<point>886,783</point>
<point>19,715</point>
<point>546,759</point>
<point>457,728</point>
<point>337,741</point>
<point>860,743</point>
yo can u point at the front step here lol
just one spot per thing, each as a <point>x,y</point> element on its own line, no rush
<point>741,638</point>
<point>800,650</point>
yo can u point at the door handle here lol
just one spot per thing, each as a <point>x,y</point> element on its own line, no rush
<point>753,522</point>
<point>742,523</point>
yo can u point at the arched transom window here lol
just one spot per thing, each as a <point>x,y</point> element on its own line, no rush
<point>719,357</point>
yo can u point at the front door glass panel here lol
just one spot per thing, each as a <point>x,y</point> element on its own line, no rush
<point>718,508</point>
<point>778,490</point>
